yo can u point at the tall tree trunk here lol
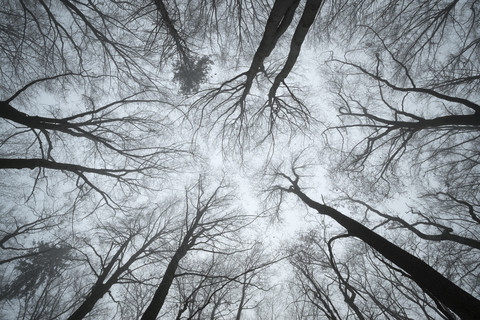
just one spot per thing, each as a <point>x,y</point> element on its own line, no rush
<point>242,299</point>
<point>100,288</point>
<point>309,13</point>
<point>278,22</point>
<point>456,299</point>
<point>89,303</point>
<point>162,291</point>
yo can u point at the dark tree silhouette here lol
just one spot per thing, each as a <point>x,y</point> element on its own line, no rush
<point>207,219</point>
<point>431,281</point>
<point>116,266</point>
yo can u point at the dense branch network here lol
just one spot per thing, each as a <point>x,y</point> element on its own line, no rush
<point>431,281</point>
<point>230,103</point>
<point>105,130</point>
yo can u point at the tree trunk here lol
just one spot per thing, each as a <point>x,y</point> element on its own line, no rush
<point>89,303</point>
<point>162,291</point>
<point>456,299</point>
<point>278,21</point>
<point>242,299</point>
<point>309,13</point>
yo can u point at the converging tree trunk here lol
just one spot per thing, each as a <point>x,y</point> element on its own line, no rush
<point>161,293</point>
<point>196,227</point>
<point>456,299</point>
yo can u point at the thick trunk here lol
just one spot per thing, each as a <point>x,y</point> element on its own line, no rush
<point>309,13</point>
<point>162,291</point>
<point>459,301</point>
<point>278,21</point>
<point>8,112</point>
<point>89,303</point>
<point>457,121</point>
<point>48,164</point>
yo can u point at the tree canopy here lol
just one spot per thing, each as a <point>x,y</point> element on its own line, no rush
<point>239,159</point>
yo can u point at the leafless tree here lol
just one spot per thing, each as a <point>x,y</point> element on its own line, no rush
<point>230,103</point>
<point>127,247</point>
<point>401,97</point>
<point>370,286</point>
<point>104,132</point>
<point>431,281</point>
<point>207,219</point>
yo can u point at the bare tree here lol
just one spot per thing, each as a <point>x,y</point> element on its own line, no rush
<point>435,284</point>
<point>207,219</point>
<point>104,132</point>
<point>79,95</point>
<point>136,239</point>
<point>230,102</point>
<point>401,97</point>
<point>369,285</point>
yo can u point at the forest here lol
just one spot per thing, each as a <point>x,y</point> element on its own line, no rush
<point>239,159</point>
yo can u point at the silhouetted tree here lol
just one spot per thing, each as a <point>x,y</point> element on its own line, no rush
<point>435,284</point>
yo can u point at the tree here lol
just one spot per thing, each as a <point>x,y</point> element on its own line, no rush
<point>93,134</point>
<point>78,97</point>
<point>37,286</point>
<point>429,221</point>
<point>103,130</point>
<point>139,237</point>
<point>431,281</point>
<point>343,278</point>
<point>207,218</point>
<point>228,102</point>
<point>403,99</point>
